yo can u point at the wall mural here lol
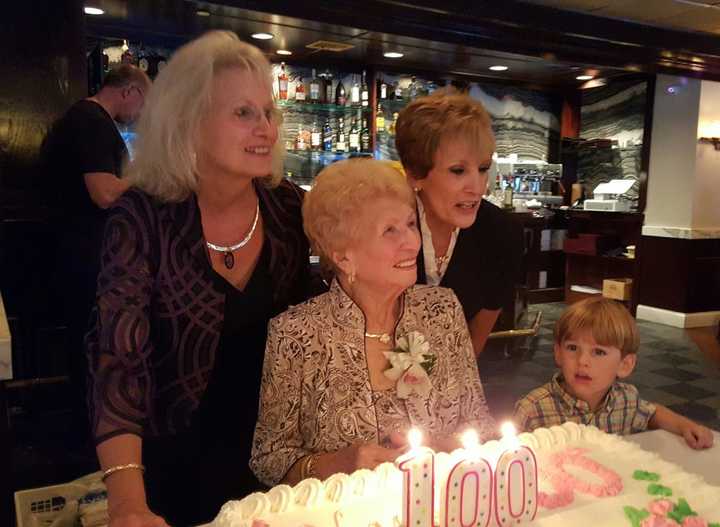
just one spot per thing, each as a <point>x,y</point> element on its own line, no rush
<point>525,122</point>
<point>612,120</point>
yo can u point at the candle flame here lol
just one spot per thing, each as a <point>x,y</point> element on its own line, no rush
<point>508,430</point>
<point>470,439</point>
<point>414,438</point>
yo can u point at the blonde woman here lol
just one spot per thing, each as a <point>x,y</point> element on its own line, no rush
<point>337,395</point>
<point>445,142</point>
<point>197,257</point>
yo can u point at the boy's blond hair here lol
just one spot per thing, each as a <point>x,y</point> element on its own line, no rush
<point>608,321</point>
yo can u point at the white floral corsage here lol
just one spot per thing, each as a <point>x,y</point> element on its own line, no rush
<point>410,364</point>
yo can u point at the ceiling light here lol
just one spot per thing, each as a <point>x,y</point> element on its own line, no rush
<point>584,77</point>
<point>93,11</point>
<point>284,52</point>
<point>202,12</point>
<point>262,36</point>
<point>498,68</point>
<point>393,55</point>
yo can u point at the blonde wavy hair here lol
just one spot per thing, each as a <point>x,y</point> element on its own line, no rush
<point>165,164</point>
<point>332,208</point>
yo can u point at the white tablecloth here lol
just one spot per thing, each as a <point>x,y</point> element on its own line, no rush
<point>673,448</point>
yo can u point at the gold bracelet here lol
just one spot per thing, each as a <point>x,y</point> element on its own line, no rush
<point>311,466</point>
<point>118,468</point>
<point>307,466</point>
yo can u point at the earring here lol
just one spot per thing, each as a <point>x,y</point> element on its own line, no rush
<point>416,189</point>
<point>351,277</point>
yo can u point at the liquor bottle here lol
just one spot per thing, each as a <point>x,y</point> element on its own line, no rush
<point>327,136</point>
<point>315,137</point>
<point>355,93</point>
<point>364,94</point>
<point>282,83</point>
<point>365,136</point>
<point>328,87</point>
<point>314,88</point>
<point>380,119</point>
<point>354,137</point>
<point>300,91</point>
<point>300,144</point>
<point>393,124</point>
<point>412,91</point>
<point>340,97</point>
<point>340,145</point>
<point>382,89</point>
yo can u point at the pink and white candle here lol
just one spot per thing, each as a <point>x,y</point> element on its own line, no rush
<point>418,468</point>
<point>516,481</point>
<point>466,496</point>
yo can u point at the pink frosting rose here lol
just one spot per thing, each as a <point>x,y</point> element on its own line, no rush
<point>658,521</point>
<point>694,521</point>
<point>660,507</point>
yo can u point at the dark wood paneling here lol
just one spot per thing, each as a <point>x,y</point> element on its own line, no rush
<point>680,275</point>
<point>42,60</point>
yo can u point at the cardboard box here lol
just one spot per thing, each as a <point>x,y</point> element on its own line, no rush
<point>617,288</point>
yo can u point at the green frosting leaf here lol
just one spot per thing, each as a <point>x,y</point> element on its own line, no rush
<point>655,489</point>
<point>636,516</point>
<point>644,475</point>
<point>713,524</point>
<point>681,511</point>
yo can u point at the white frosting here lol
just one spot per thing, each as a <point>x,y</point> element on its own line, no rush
<point>374,498</point>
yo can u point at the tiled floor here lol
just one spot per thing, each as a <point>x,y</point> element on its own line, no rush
<point>671,370</point>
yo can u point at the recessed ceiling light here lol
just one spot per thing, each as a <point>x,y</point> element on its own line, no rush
<point>584,77</point>
<point>498,68</point>
<point>93,11</point>
<point>202,12</point>
<point>262,36</point>
<point>284,52</point>
<point>393,55</point>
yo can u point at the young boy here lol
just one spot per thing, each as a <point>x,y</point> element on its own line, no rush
<point>596,343</point>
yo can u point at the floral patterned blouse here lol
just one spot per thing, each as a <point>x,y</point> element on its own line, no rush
<point>316,394</point>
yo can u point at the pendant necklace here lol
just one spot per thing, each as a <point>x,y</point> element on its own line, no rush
<point>229,258</point>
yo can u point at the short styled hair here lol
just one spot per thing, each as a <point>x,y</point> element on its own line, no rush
<point>608,321</point>
<point>124,75</point>
<point>165,164</point>
<point>427,121</point>
<point>332,208</point>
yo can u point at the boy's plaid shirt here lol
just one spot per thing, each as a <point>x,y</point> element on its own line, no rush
<point>621,412</point>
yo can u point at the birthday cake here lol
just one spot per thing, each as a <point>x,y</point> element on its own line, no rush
<point>575,474</point>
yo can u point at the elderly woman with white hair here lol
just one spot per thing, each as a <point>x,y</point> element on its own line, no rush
<point>348,372</point>
<point>197,257</point>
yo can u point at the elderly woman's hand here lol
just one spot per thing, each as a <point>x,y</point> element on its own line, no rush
<point>355,457</point>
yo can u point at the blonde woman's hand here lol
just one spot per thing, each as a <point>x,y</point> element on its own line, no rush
<point>135,515</point>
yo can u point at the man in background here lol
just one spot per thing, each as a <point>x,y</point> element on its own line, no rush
<point>84,154</point>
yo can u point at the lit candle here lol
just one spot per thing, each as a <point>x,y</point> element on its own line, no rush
<point>418,468</point>
<point>515,481</point>
<point>466,497</point>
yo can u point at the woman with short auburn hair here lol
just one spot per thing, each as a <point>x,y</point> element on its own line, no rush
<point>348,372</point>
<point>446,143</point>
<point>196,259</point>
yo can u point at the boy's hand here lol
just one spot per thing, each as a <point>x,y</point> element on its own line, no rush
<point>697,436</point>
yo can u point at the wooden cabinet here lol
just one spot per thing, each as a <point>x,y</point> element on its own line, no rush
<point>616,230</point>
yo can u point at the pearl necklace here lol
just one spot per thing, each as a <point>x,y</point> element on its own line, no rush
<point>229,259</point>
